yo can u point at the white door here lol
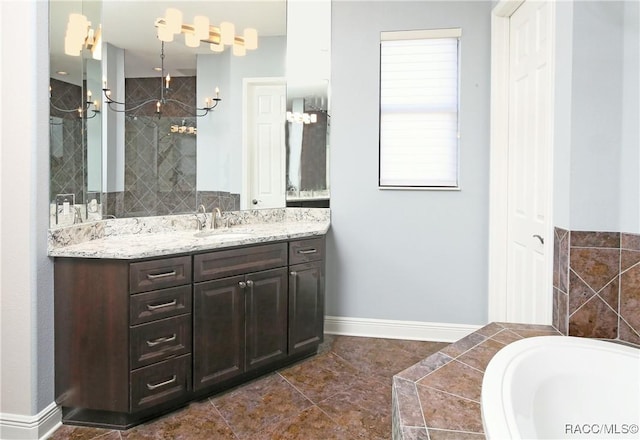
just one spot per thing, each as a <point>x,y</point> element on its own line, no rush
<point>529,229</point>
<point>266,156</point>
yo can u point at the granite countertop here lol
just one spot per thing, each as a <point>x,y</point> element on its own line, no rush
<point>169,235</point>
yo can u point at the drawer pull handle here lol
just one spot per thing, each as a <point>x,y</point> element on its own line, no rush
<point>163,305</point>
<point>161,340</point>
<point>161,384</point>
<point>307,251</point>
<point>161,275</point>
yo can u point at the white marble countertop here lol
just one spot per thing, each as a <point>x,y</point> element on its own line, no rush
<point>152,242</point>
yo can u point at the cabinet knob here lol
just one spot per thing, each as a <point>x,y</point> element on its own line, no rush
<point>242,284</point>
<point>249,283</point>
<point>294,273</point>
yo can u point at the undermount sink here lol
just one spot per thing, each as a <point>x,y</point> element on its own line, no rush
<point>222,234</point>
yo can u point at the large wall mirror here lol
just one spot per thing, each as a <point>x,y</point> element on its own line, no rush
<point>170,158</point>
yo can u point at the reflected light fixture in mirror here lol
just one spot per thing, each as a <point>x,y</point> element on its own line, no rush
<point>162,99</point>
<point>83,110</point>
<point>80,35</point>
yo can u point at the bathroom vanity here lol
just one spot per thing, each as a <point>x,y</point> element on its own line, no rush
<point>136,337</point>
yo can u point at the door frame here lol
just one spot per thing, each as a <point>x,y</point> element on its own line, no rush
<point>499,165</point>
<point>247,85</point>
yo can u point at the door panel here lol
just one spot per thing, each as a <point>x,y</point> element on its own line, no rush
<point>266,314</point>
<point>528,281</point>
<point>266,145</point>
<point>219,336</point>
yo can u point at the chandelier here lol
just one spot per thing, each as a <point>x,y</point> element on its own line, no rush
<point>83,110</point>
<point>162,99</point>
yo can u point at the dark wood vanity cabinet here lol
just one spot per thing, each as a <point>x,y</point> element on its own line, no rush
<point>306,294</point>
<point>240,321</point>
<point>134,339</point>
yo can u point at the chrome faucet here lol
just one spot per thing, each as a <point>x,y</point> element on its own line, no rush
<point>199,223</point>
<point>77,216</point>
<point>215,213</point>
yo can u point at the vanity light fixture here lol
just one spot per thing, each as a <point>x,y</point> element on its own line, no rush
<point>202,31</point>
<point>302,118</point>
<point>162,99</point>
<point>83,111</point>
<point>80,35</point>
<point>183,128</point>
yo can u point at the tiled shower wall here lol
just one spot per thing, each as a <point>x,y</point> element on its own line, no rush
<point>160,166</point>
<point>67,171</point>
<point>596,285</point>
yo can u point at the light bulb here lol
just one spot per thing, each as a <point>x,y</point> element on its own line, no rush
<point>239,50</point>
<point>164,34</point>
<point>250,39</point>
<point>227,33</point>
<point>173,18</point>
<point>201,27</point>
<point>216,47</point>
<point>190,40</point>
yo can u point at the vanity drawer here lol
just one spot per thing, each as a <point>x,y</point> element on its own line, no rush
<point>302,251</point>
<point>159,304</point>
<point>159,274</point>
<point>160,382</point>
<point>159,340</point>
<point>232,262</point>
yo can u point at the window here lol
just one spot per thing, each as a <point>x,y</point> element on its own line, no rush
<point>419,109</point>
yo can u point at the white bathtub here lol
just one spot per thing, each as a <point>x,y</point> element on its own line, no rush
<point>561,387</point>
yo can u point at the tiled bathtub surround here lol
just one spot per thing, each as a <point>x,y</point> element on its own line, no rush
<point>439,397</point>
<point>596,285</point>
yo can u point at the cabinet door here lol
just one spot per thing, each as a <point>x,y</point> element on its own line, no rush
<point>218,331</point>
<point>306,306</point>
<point>266,314</point>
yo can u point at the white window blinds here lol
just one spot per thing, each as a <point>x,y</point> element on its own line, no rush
<point>419,108</point>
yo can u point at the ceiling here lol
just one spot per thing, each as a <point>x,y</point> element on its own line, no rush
<point>129,24</point>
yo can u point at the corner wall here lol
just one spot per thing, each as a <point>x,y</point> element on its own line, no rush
<point>26,274</point>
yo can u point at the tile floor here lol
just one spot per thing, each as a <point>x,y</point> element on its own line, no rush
<point>343,393</point>
<point>439,398</point>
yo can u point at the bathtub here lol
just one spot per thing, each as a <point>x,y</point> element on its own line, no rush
<point>562,387</point>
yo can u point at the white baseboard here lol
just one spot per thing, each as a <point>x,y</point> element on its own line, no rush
<point>391,329</point>
<point>40,426</point>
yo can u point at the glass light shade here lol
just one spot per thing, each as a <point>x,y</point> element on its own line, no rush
<point>201,27</point>
<point>71,46</point>
<point>227,33</point>
<point>239,50</point>
<point>164,34</point>
<point>250,39</point>
<point>190,40</point>
<point>96,50</point>
<point>217,47</point>
<point>173,18</point>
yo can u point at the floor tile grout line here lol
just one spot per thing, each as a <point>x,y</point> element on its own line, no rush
<point>297,389</point>
<point>224,419</point>
<point>448,393</point>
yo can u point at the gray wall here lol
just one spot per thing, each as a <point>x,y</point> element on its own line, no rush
<point>604,117</point>
<point>26,277</point>
<point>406,255</point>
